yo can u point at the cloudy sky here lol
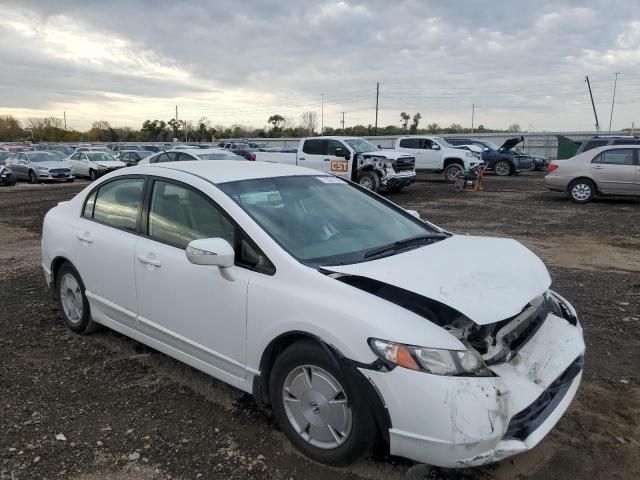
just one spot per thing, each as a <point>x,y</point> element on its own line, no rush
<point>242,61</point>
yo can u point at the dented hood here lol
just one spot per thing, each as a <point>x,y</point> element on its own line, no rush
<point>486,279</point>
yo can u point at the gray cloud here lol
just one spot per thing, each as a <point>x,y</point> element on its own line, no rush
<point>519,61</point>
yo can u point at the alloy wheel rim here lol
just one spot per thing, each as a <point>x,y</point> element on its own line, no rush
<point>502,168</point>
<point>453,172</point>
<point>581,191</point>
<point>71,298</point>
<point>317,407</point>
<point>366,183</point>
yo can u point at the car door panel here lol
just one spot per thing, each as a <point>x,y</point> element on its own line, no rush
<point>187,307</point>
<point>615,171</point>
<point>314,153</point>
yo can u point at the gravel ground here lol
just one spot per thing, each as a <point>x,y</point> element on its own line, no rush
<point>105,407</point>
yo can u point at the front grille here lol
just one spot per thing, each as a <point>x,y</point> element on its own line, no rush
<point>528,420</point>
<point>60,171</point>
<point>403,164</point>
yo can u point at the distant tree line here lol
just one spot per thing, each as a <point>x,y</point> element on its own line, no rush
<point>51,129</point>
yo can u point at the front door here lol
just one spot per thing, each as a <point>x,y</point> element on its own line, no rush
<point>615,170</point>
<point>193,309</point>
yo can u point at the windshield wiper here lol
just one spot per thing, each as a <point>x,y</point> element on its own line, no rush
<point>402,244</point>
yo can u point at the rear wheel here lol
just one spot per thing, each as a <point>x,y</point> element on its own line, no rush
<point>503,168</point>
<point>316,410</point>
<point>72,301</point>
<point>452,171</point>
<point>369,180</point>
<point>582,190</point>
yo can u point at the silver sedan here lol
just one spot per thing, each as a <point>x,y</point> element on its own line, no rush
<point>613,170</point>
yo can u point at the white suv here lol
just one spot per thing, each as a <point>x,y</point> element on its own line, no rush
<point>435,154</point>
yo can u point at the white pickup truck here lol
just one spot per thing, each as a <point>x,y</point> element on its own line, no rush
<point>352,158</point>
<point>435,154</point>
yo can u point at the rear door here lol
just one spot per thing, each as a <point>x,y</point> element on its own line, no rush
<point>19,165</point>
<point>314,154</point>
<point>615,170</point>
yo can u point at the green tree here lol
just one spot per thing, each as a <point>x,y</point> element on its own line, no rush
<point>404,119</point>
<point>414,124</point>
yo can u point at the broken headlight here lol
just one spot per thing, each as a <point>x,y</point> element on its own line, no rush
<point>560,307</point>
<point>431,360</point>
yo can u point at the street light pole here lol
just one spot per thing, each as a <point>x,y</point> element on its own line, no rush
<point>613,99</point>
<point>322,114</point>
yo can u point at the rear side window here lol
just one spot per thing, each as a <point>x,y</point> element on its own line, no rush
<point>594,144</point>
<point>410,143</point>
<point>179,215</point>
<point>626,142</point>
<point>117,203</point>
<point>165,157</point>
<point>622,156</point>
<point>315,147</point>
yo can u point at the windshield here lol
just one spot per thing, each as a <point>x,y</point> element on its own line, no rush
<point>360,145</point>
<point>219,156</point>
<point>42,157</point>
<point>443,141</point>
<point>100,157</point>
<point>322,220</point>
<point>491,145</point>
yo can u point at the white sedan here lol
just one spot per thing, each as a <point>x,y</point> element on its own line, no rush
<point>189,154</point>
<point>93,164</point>
<point>349,316</point>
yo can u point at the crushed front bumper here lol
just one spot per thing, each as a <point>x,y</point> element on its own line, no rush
<point>399,180</point>
<point>469,421</point>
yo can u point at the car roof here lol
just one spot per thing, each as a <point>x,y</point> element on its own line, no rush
<point>222,171</point>
<point>198,151</point>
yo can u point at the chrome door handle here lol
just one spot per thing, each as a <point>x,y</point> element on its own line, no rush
<point>85,237</point>
<point>301,158</point>
<point>148,261</point>
<point>327,159</point>
<point>598,167</point>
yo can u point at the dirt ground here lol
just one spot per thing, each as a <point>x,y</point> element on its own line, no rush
<point>103,407</point>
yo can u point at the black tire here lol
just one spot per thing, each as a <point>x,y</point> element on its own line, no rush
<point>71,180</point>
<point>369,180</point>
<point>503,168</point>
<point>84,324</point>
<point>93,174</point>
<point>582,190</point>
<point>451,171</point>
<point>33,179</point>
<point>363,433</point>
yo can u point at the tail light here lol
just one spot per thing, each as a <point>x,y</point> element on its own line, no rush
<point>252,157</point>
<point>552,167</point>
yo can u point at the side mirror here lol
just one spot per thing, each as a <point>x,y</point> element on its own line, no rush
<point>414,213</point>
<point>485,149</point>
<point>211,251</point>
<point>435,146</point>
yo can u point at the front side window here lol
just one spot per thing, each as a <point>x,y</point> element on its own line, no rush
<point>332,146</point>
<point>117,203</point>
<point>322,220</point>
<point>179,215</point>
<point>426,144</point>
<point>623,156</point>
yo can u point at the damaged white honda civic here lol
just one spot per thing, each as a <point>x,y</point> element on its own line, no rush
<point>345,314</point>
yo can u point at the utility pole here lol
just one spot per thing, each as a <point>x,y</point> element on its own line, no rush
<point>176,113</point>
<point>473,114</point>
<point>342,122</point>
<point>592,103</point>
<point>613,99</point>
<point>377,98</point>
<point>322,114</point>
<point>64,114</point>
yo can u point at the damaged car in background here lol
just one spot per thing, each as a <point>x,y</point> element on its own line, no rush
<point>348,316</point>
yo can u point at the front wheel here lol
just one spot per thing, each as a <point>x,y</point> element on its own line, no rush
<point>369,180</point>
<point>582,190</point>
<point>33,178</point>
<point>93,174</point>
<point>503,168</point>
<point>452,171</point>
<point>315,409</point>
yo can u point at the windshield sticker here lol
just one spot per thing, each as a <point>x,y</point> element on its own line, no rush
<point>330,179</point>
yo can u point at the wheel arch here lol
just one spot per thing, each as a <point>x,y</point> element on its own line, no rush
<point>56,265</point>
<point>357,381</point>
<point>582,177</point>
<point>448,161</point>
